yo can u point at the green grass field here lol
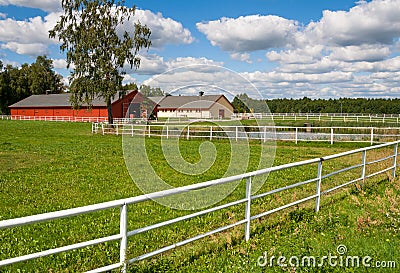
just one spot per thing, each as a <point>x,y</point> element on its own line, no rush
<point>49,166</point>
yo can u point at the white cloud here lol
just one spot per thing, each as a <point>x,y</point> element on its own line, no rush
<point>152,64</point>
<point>375,22</point>
<point>203,63</point>
<point>3,15</point>
<point>369,53</point>
<point>59,63</point>
<point>34,30</point>
<point>244,57</point>
<point>46,5</point>
<point>306,55</point>
<point>34,49</point>
<point>129,79</point>
<point>249,33</point>
<point>23,36</point>
<point>28,37</point>
<point>12,63</point>
<point>149,65</point>
<point>163,30</point>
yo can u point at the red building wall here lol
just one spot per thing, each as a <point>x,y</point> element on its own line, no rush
<point>96,111</point>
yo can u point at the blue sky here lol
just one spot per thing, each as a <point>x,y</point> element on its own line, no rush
<point>281,48</point>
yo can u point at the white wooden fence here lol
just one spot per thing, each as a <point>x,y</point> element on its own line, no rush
<point>319,180</point>
<point>262,133</point>
<point>54,118</point>
<point>338,117</point>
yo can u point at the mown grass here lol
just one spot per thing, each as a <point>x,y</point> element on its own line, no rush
<point>51,166</point>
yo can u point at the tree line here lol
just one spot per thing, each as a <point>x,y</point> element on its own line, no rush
<point>243,103</point>
<point>17,83</point>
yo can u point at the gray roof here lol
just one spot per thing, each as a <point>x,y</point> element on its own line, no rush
<point>174,102</point>
<point>55,100</point>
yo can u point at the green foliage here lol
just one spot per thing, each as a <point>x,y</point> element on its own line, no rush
<point>130,86</point>
<point>239,104</point>
<point>17,83</point>
<point>149,91</point>
<point>243,103</point>
<point>91,33</point>
<point>340,105</point>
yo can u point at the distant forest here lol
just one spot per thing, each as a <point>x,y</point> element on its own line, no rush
<point>243,103</point>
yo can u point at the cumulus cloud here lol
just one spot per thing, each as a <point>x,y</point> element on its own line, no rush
<point>31,36</point>
<point>33,49</point>
<point>46,5</point>
<point>152,64</point>
<point>34,30</point>
<point>59,63</point>
<point>244,57</point>
<point>163,30</point>
<point>367,32</point>
<point>249,33</point>
<point>28,37</point>
<point>375,22</point>
<point>369,53</point>
<point>129,79</point>
<point>306,55</point>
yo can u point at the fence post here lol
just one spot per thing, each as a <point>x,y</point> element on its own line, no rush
<point>248,211</point>
<point>236,135</point>
<point>123,228</point>
<point>395,160</point>
<point>211,131</point>
<point>188,132</point>
<point>149,132</point>
<point>331,136</point>
<point>364,164</point>
<point>296,135</point>
<point>372,135</point>
<point>265,134</point>
<point>167,132</point>
<point>319,180</point>
<point>102,128</point>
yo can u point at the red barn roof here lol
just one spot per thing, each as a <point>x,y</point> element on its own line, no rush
<point>57,100</point>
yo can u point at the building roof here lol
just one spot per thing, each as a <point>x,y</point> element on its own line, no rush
<point>186,102</point>
<point>56,100</point>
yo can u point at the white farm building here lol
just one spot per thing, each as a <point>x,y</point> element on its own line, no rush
<point>207,106</point>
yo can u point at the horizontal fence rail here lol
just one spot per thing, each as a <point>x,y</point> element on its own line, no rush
<point>319,180</point>
<point>262,133</point>
<point>338,117</point>
<point>55,118</point>
<point>332,117</point>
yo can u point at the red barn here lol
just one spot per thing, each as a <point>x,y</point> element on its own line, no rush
<point>59,105</point>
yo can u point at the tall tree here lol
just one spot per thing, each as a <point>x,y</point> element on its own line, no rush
<point>42,78</point>
<point>239,105</point>
<point>91,33</point>
<point>17,83</point>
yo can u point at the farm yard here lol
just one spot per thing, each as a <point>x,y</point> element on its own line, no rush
<point>195,136</point>
<point>54,166</point>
